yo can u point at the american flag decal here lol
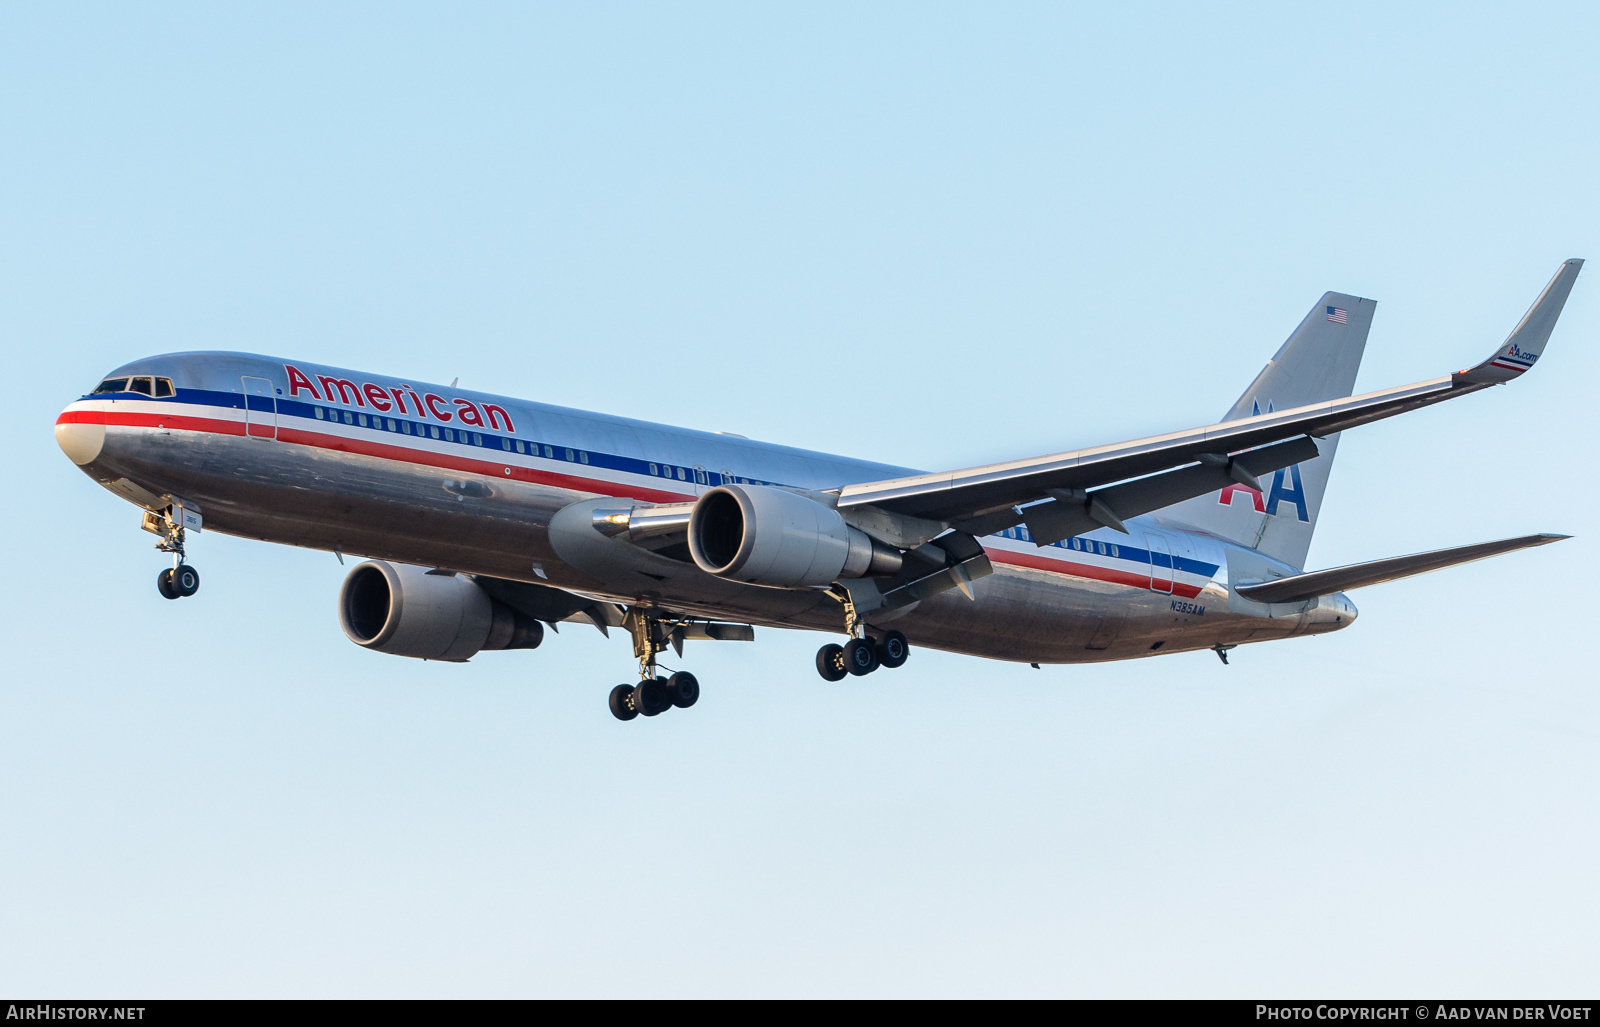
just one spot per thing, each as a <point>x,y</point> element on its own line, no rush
<point>1338,315</point>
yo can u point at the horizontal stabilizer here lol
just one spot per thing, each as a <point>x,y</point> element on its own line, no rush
<point>1298,587</point>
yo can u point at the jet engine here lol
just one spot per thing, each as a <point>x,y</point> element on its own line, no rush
<point>430,615</point>
<point>769,536</point>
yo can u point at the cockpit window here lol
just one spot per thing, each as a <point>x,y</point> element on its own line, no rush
<point>159,388</point>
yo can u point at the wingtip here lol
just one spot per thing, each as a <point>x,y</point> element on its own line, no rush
<point>1545,538</point>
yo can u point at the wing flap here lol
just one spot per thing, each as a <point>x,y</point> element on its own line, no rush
<point>1073,514</point>
<point>960,494</point>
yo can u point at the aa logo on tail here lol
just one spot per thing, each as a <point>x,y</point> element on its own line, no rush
<point>1281,491</point>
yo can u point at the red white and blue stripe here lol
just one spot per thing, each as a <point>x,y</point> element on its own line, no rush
<point>565,466</point>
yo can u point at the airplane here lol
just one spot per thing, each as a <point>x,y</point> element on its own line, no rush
<point>485,519</point>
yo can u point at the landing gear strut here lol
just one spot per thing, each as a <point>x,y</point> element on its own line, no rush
<point>179,581</point>
<point>653,694</point>
<point>862,654</point>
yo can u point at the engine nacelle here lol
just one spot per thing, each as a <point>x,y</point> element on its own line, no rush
<point>408,611</point>
<point>770,536</point>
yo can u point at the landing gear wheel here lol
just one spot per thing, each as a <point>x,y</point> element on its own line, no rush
<point>860,657</point>
<point>830,662</point>
<point>893,650</point>
<point>186,580</point>
<point>165,586</point>
<point>683,690</point>
<point>651,697</point>
<point>621,703</point>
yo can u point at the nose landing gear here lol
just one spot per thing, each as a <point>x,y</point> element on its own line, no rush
<point>180,580</point>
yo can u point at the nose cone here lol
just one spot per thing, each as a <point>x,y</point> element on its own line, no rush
<point>81,442</point>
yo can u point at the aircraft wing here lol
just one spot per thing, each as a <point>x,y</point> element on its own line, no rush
<point>1067,494</point>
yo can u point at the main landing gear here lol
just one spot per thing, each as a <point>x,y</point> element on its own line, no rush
<point>654,694</point>
<point>862,654</point>
<point>180,580</point>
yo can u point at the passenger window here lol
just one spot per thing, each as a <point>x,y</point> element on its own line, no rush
<point>349,418</point>
<point>1114,551</point>
<point>1100,547</point>
<point>655,470</point>
<point>433,430</point>
<point>505,444</point>
<point>571,456</point>
<point>163,388</point>
<point>449,434</point>
<point>363,419</point>
<point>519,445</point>
<point>319,413</point>
<point>140,385</point>
<point>111,385</point>
<point>405,426</point>
<point>681,476</point>
<point>391,423</point>
<point>477,440</point>
<point>583,456</point>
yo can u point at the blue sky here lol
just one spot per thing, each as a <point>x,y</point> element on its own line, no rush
<point>931,235</point>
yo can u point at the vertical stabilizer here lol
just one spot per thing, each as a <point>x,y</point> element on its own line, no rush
<point>1318,362</point>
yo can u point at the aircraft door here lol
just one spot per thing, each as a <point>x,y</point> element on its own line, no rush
<point>1160,563</point>
<point>260,408</point>
<point>700,479</point>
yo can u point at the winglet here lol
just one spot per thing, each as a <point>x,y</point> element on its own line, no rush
<point>1528,339</point>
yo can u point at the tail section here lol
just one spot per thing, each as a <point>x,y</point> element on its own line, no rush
<point>1318,362</point>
